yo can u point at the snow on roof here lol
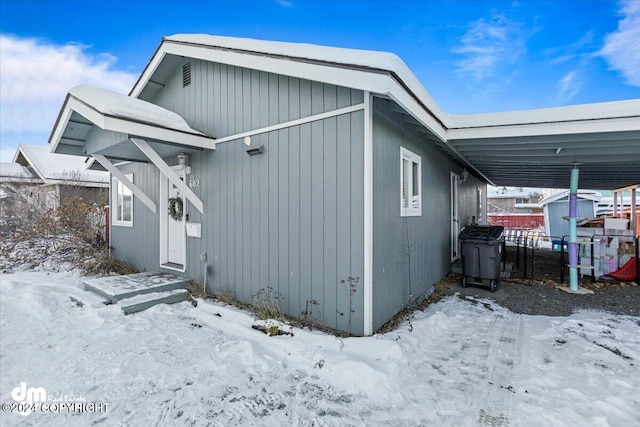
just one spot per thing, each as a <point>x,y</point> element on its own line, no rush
<point>582,194</point>
<point>126,107</point>
<point>376,60</point>
<point>510,192</point>
<point>14,170</point>
<point>602,110</point>
<point>364,58</point>
<point>370,59</point>
<point>53,167</point>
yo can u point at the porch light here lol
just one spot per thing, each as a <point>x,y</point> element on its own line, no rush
<point>182,159</point>
<point>464,176</point>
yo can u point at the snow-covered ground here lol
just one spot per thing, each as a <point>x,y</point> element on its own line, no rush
<point>459,363</point>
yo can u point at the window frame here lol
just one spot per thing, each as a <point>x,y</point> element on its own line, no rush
<point>414,166</point>
<point>115,208</point>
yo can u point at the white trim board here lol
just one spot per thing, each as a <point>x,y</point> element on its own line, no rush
<point>166,170</point>
<point>125,181</point>
<point>291,123</point>
<point>123,125</point>
<point>368,215</point>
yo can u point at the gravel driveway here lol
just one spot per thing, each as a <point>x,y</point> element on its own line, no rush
<point>547,299</point>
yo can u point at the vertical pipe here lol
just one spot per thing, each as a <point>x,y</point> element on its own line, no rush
<point>524,262</point>
<point>634,213</point>
<point>517,252</point>
<point>637,258</point>
<point>533,257</point>
<point>573,230</point>
<point>593,262</point>
<point>562,260</point>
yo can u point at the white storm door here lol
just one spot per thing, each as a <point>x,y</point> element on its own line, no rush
<point>174,230</point>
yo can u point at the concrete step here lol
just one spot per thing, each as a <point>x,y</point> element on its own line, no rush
<point>143,301</point>
<point>88,298</point>
<point>116,288</point>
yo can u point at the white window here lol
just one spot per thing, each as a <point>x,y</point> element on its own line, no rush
<point>410,183</point>
<point>121,203</point>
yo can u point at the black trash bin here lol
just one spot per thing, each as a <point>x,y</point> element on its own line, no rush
<point>481,249</point>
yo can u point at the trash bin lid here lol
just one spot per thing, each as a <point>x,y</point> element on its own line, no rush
<point>482,232</point>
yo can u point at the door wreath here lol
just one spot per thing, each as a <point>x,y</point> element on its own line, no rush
<point>175,208</point>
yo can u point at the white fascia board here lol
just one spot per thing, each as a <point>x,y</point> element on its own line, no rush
<point>355,79</point>
<point>571,113</point>
<point>92,184</point>
<point>125,181</point>
<point>148,72</point>
<point>406,101</point>
<point>34,166</point>
<point>144,130</point>
<point>60,126</point>
<point>117,124</point>
<point>69,107</point>
<point>166,170</point>
<point>551,128</point>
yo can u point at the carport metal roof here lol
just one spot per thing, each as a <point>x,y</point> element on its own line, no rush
<point>539,147</point>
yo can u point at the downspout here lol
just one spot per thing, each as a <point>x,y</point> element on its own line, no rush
<point>573,230</point>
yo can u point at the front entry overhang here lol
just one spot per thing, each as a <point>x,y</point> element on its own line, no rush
<point>111,127</point>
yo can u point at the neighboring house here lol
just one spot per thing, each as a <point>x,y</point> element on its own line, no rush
<point>56,177</point>
<point>301,168</point>
<point>556,210</point>
<point>44,180</point>
<point>515,208</point>
<point>509,200</point>
<point>13,177</point>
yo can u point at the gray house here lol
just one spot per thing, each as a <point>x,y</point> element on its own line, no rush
<point>249,164</point>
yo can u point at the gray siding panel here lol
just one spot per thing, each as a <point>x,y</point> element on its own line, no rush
<point>290,218</point>
<point>137,245</point>
<point>410,254</point>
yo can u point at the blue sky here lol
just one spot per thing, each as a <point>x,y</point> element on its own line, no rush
<point>472,56</point>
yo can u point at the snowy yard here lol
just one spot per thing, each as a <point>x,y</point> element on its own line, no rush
<point>460,363</point>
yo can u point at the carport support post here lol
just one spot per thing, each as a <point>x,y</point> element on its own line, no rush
<point>573,230</point>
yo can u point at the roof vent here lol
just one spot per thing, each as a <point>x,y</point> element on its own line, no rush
<point>186,74</point>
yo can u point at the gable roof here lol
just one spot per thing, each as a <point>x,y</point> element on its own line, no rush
<point>54,168</point>
<point>87,107</point>
<point>518,148</point>
<point>15,172</point>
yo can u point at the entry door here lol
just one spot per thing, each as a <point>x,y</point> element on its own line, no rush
<point>455,216</point>
<point>175,230</point>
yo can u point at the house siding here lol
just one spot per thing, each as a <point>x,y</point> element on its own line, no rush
<point>224,100</point>
<point>410,254</point>
<point>289,218</point>
<point>138,245</point>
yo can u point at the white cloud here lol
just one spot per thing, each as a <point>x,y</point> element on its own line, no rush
<point>581,49</point>
<point>488,44</point>
<point>622,47</point>
<point>568,86</point>
<point>284,3</point>
<point>35,77</point>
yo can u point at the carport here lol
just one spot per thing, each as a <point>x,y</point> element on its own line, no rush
<point>594,146</point>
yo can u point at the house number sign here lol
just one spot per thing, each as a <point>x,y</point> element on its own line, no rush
<point>194,183</point>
